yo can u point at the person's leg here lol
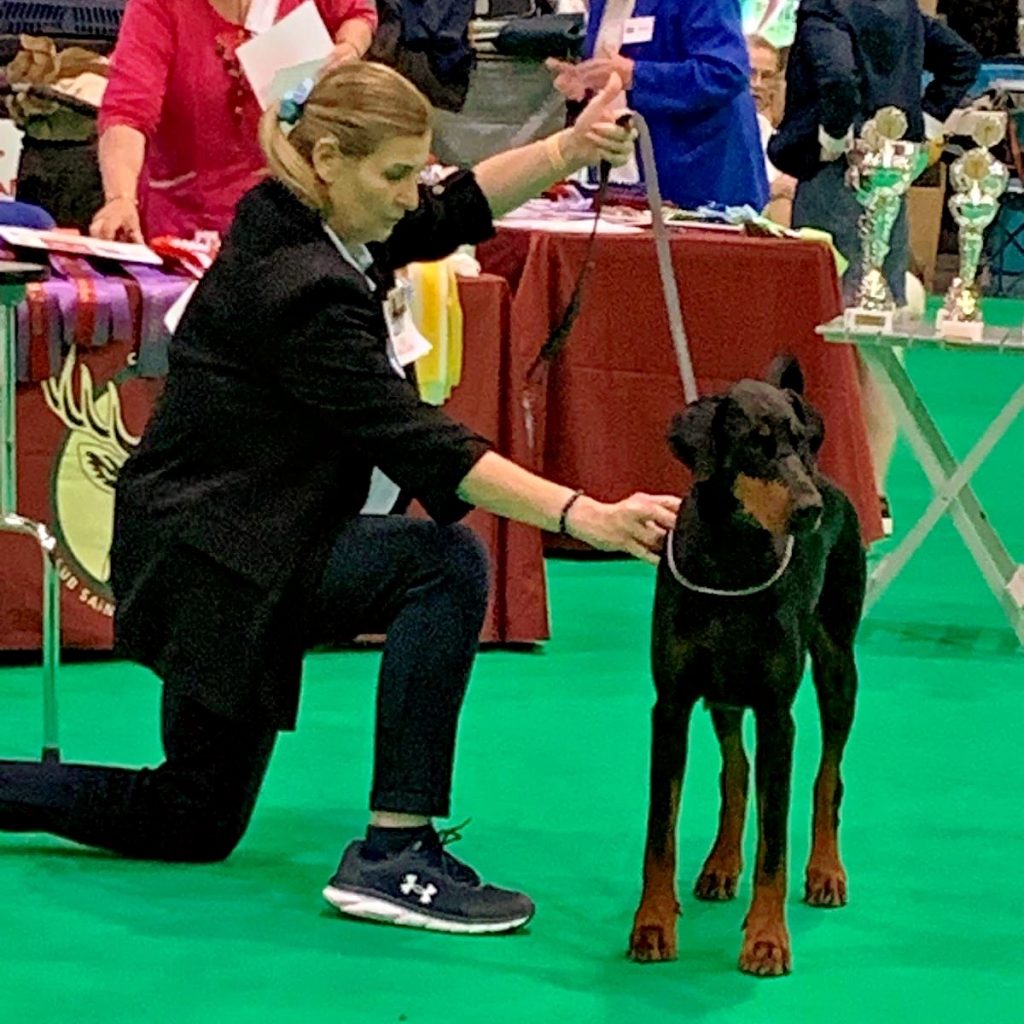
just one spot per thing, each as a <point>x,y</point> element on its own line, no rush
<point>425,586</point>
<point>828,203</point>
<point>193,807</point>
<point>879,416</point>
<point>880,422</point>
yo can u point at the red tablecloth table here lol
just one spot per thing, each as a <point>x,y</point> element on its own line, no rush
<point>602,409</point>
<point>68,457</point>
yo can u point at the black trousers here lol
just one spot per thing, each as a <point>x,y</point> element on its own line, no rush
<point>423,584</point>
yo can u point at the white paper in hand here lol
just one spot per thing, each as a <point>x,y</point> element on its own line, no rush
<point>295,48</point>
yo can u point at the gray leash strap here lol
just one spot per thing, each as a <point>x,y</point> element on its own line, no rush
<point>669,286</point>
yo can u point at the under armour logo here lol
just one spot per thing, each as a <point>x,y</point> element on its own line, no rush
<point>411,884</point>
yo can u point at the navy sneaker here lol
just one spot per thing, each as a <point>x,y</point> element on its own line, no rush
<point>424,886</point>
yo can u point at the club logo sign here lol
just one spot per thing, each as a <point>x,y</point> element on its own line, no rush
<point>85,471</point>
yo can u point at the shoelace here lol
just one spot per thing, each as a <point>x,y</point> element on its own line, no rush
<point>450,865</point>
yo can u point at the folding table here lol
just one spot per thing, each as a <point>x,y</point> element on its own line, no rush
<point>950,479</point>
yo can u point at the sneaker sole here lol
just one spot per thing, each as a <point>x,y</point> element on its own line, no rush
<point>373,908</point>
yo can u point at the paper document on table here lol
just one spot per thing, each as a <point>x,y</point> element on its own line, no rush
<point>575,227</point>
<point>295,48</point>
<point>79,245</point>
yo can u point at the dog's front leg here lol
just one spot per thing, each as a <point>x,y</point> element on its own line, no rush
<point>766,947</point>
<point>654,927</point>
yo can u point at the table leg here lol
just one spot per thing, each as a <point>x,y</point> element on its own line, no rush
<point>10,295</point>
<point>11,522</point>
<point>952,492</point>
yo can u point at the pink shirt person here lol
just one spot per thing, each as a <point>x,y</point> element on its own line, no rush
<point>175,78</point>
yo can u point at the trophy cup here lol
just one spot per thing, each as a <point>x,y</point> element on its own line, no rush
<point>979,179</point>
<point>882,168</point>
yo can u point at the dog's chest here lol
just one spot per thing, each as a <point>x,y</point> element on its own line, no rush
<point>750,647</point>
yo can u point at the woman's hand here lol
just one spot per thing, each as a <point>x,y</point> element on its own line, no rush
<point>783,187</point>
<point>567,82</point>
<point>637,525</point>
<point>595,136</point>
<point>343,53</point>
<point>118,221</point>
<point>574,81</point>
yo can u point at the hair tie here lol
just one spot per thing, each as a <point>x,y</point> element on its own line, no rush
<point>293,103</point>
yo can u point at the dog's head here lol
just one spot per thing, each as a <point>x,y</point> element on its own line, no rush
<point>760,440</point>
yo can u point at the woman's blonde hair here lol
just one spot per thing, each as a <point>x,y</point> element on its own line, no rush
<point>359,104</point>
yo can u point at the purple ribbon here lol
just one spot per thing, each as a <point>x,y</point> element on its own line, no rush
<point>111,315</point>
<point>159,292</point>
<point>48,321</point>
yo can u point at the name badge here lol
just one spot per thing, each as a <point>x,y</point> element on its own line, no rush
<point>405,343</point>
<point>638,30</point>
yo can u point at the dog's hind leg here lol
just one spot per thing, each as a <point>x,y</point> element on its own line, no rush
<point>721,872</point>
<point>654,927</point>
<point>835,680</point>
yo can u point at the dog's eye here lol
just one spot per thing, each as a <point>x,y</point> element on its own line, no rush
<point>764,439</point>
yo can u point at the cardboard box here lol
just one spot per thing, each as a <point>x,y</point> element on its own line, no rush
<point>924,213</point>
<point>10,155</point>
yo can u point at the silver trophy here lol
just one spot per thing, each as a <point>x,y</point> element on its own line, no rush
<point>979,179</point>
<point>882,168</point>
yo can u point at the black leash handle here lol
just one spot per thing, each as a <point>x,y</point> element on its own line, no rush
<point>556,340</point>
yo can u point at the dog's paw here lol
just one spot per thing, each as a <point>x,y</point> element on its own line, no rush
<point>825,885</point>
<point>654,935</point>
<point>718,881</point>
<point>766,950</point>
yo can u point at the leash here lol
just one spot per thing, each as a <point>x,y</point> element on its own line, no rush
<point>666,271</point>
<point>670,559</point>
<point>556,340</point>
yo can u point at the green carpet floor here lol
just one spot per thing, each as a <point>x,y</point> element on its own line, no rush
<point>552,769</point>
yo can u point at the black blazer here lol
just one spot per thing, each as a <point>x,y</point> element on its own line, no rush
<point>850,58</point>
<point>279,401</point>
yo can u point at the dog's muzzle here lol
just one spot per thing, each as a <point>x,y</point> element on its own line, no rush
<point>808,507</point>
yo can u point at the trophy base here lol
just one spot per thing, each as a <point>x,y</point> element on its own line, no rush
<point>950,328</point>
<point>869,321</point>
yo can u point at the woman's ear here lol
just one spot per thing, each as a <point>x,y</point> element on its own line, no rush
<point>327,159</point>
<point>691,436</point>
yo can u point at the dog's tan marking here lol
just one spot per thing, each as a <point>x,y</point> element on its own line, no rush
<point>767,502</point>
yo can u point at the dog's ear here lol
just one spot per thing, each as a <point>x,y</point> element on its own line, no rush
<point>785,374</point>
<point>691,436</point>
<point>810,418</point>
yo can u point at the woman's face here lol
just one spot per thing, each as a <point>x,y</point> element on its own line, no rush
<point>369,196</point>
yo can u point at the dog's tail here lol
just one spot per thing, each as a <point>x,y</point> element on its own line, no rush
<point>785,372</point>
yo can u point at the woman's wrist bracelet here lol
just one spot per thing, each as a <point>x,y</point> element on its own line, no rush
<point>563,526</point>
<point>131,199</point>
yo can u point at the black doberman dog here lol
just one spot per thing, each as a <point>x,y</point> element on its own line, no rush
<point>765,565</point>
